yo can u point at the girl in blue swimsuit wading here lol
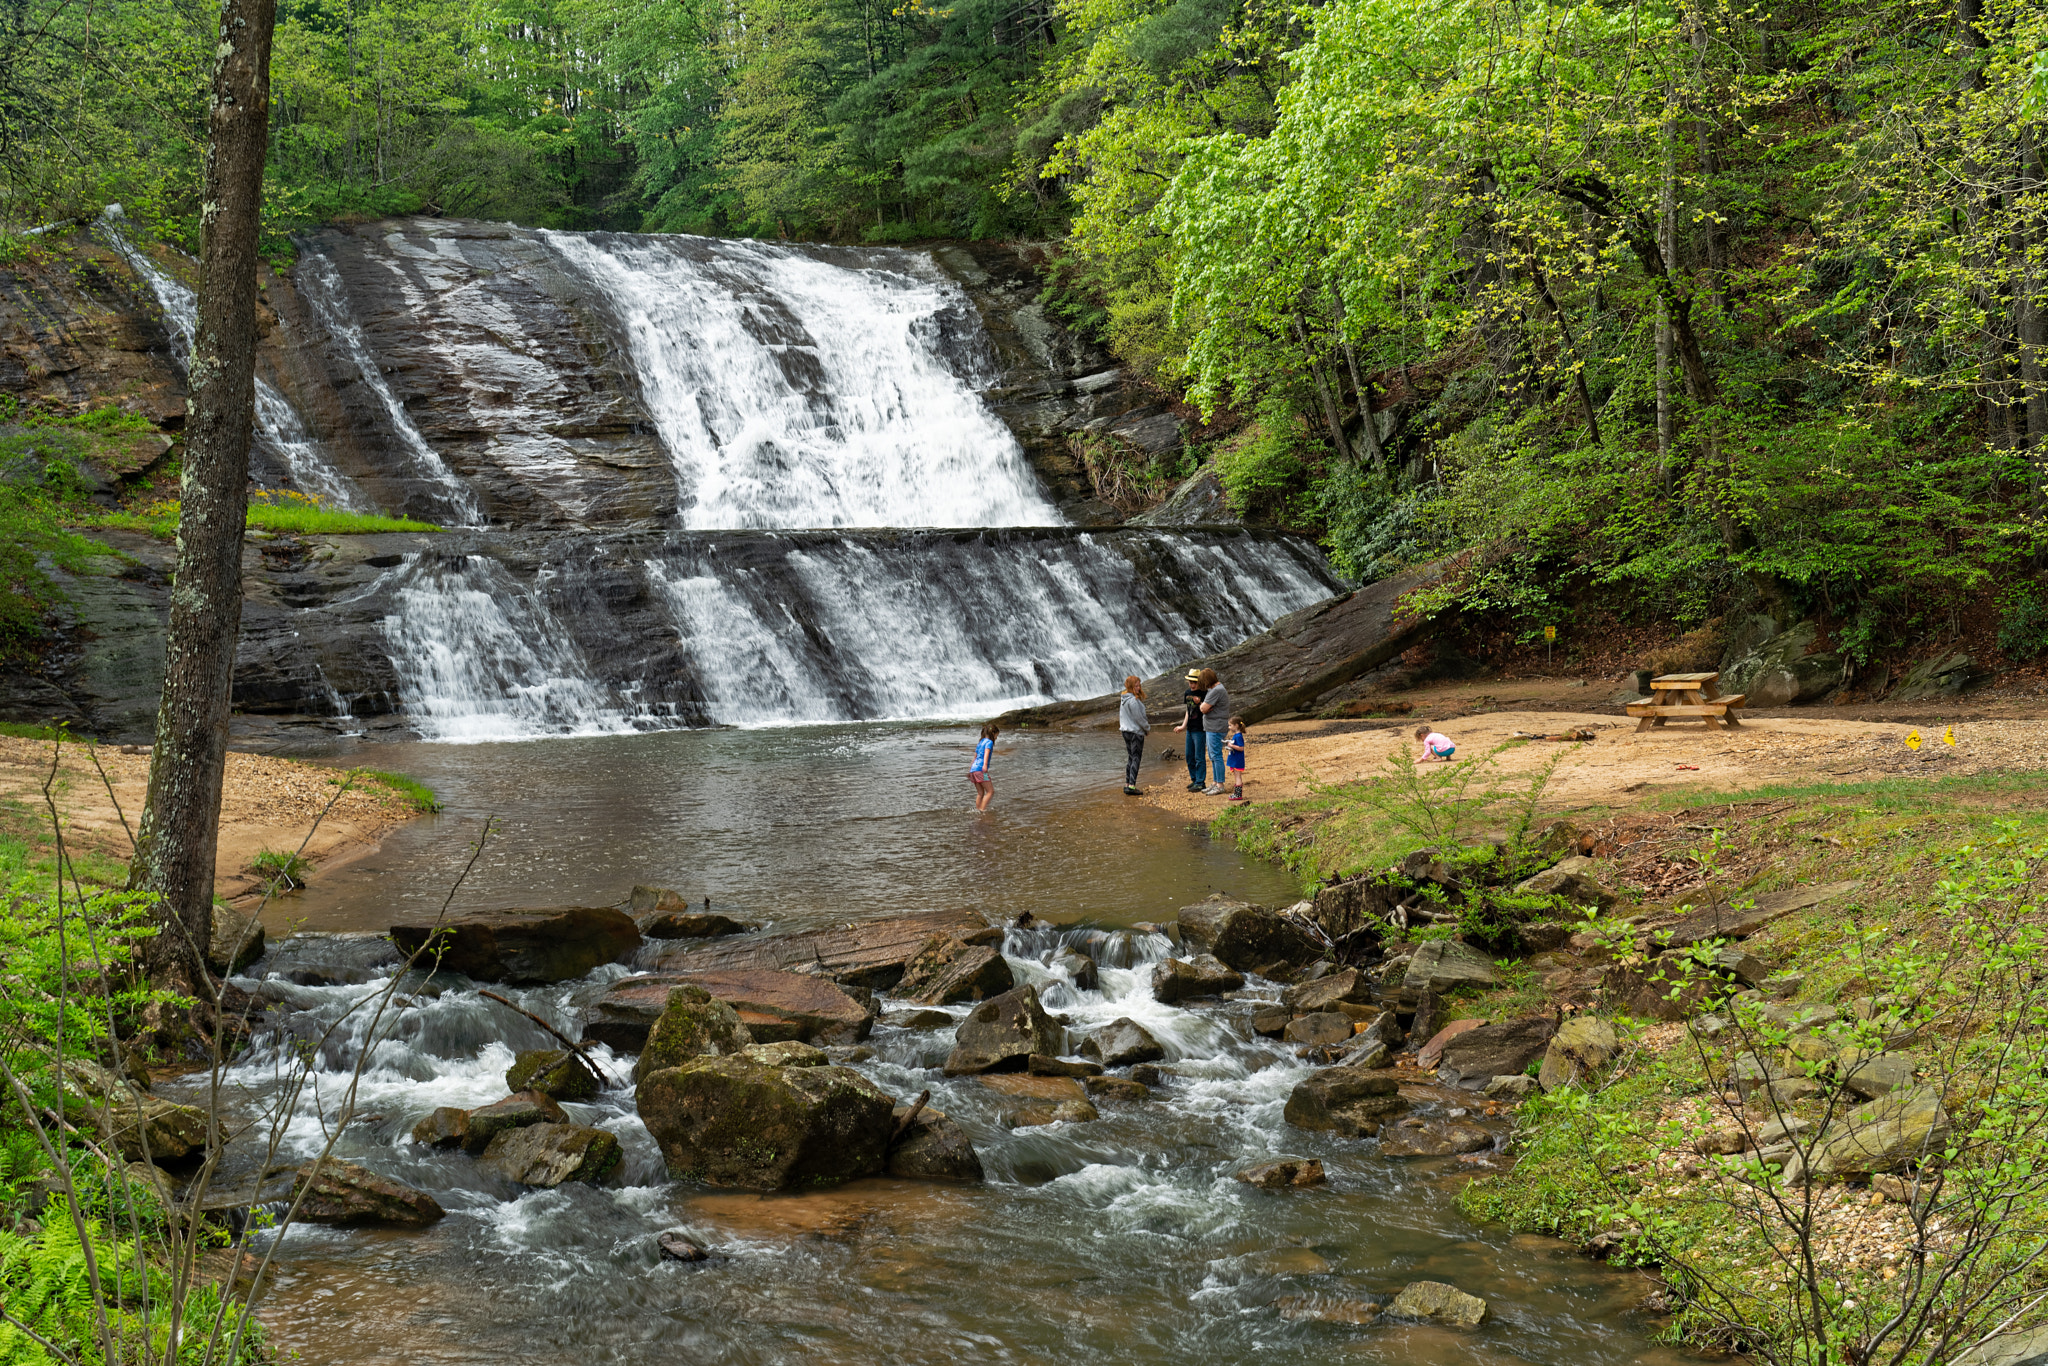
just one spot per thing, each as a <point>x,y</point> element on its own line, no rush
<point>984,754</point>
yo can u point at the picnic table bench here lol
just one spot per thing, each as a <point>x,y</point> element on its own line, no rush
<point>1681,696</point>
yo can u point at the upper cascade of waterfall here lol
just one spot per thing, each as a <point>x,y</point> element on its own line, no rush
<point>796,391</point>
<point>277,422</point>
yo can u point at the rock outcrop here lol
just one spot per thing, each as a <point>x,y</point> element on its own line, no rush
<point>522,946</point>
<point>948,969</point>
<point>693,1023</point>
<point>934,1148</point>
<point>1182,979</point>
<point>1351,1102</point>
<point>548,1155</point>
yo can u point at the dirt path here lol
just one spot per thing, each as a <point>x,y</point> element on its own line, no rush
<point>1618,765</point>
<point>269,803</point>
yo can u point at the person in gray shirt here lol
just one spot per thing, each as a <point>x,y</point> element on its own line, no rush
<point>1132,721</point>
<point>1215,725</point>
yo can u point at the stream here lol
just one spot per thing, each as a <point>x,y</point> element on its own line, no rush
<point>1126,1239</point>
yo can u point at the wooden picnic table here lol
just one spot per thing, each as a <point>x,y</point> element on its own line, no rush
<point>1676,697</point>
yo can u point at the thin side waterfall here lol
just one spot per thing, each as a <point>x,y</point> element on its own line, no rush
<point>794,392</point>
<point>276,420</point>
<point>321,286</point>
<point>769,630</point>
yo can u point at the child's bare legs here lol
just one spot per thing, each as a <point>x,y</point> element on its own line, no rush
<point>985,792</point>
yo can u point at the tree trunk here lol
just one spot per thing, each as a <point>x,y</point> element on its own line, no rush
<point>1666,420</point>
<point>2030,305</point>
<point>1368,427</point>
<point>1331,417</point>
<point>175,846</point>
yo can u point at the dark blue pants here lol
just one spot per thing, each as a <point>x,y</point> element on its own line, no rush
<point>1198,769</point>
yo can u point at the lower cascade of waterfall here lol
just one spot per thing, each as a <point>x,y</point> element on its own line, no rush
<point>648,632</point>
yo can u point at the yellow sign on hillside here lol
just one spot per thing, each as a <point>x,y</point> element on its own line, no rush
<point>1913,740</point>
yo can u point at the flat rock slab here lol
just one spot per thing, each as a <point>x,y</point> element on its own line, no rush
<point>627,1010</point>
<point>776,1005</point>
<point>345,1194</point>
<point>1722,923</point>
<point>554,945</point>
<point>691,925</point>
<point>868,953</point>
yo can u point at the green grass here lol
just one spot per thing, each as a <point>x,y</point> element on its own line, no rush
<point>19,731</point>
<point>417,794</point>
<point>284,866</point>
<point>319,521</point>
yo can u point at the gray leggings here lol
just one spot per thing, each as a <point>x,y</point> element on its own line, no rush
<point>1134,755</point>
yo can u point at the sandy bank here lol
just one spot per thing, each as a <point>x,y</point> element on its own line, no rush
<point>1619,765</point>
<point>268,803</point>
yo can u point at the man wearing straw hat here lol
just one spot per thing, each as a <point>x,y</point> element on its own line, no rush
<point>1191,722</point>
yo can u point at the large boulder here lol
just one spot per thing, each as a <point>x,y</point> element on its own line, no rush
<point>1777,671</point>
<point>867,953</point>
<point>1442,965</point>
<point>934,1148</point>
<point>1002,1034</point>
<point>1181,979</point>
<point>345,1194</point>
<point>948,969</point>
<point>548,1155</point>
<point>1891,1132</point>
<point>553,1072</point>
<point>690,925</point>
<point>1344,1100</point>
<point>483,1124</point>
<point>1346,987</point>
<point>1947,675</point>
<point>1243,936</point>
<point>522,946</point>
<point>1121,1043</point>
<point>143,1127</point>
<point>236,941</point>
<point>1433,1138</point>
<point>1324,1027</point>
<point>1580,1050</point>
<point>735,1121</point>
<point>446,1127</point>
<point>1576,879</point>
<point>777,1005</point>
<point>1477,1056</point>
<point>692,1023</point>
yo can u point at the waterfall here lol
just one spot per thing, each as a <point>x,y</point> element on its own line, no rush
<point>768,629</point>
<point>321,287</point>
<point>276,420</point>
<point>796,392</point>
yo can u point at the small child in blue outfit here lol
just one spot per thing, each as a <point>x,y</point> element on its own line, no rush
<point>1233,757</point>
<point>984,755</point>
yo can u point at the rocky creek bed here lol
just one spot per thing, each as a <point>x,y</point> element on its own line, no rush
<point>1159,1180</point>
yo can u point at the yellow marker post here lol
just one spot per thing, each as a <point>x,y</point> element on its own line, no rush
<point>1948,737</point>
<point>1549,639</point>
<point>1913,740</point>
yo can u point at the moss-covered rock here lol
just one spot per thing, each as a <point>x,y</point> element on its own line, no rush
<point>550,1155</point>
<point>553,1072</point>
<point>522,1111</point>
<point>694,1023</point>
<point>737,1121</point>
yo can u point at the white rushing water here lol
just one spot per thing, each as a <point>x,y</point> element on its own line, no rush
<point>768,631</point>
<point>277,422</point>
<point>791,392</point>
<point>478,658</point>
<point>320,285</point>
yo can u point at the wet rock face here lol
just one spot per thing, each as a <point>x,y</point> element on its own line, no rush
<point>483,1125</point>
<point>143,1127</point>
<point>345,1194</point>
<point>790,1005</point>
<point>1273,1176</point>
<point>498,358</point>
<point>738,1122</point>
<point>522,946</point>
<point>74,332</point>
<point>1439,1303</point>
<point>1002,1034</point>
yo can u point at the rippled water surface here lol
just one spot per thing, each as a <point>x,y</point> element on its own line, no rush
<point>1122,1240</point>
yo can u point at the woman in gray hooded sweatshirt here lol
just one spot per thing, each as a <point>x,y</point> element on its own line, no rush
<point>1132,721</point>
